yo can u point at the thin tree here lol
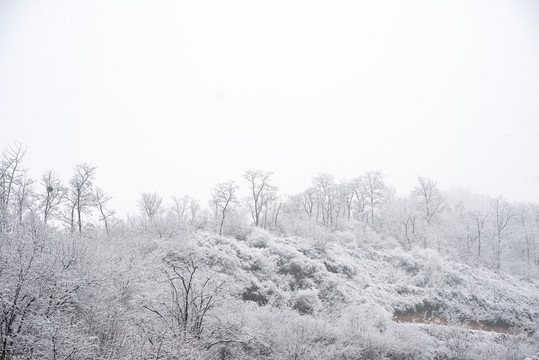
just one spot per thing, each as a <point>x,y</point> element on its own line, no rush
<point>409,223</point>
<point>192,297</point>
<point>307,200</point>
<point>223,195</point>
<point>374,189</point>
<point>479,219</point>
<point>360,202</point>
<point>429,199</point>
<point>106,214</point>
<point>527,216</point>
<point>10,172</point>
<point>429,203</point>
<point>345,191</point>
<point>324,186</point>
<point>23,194</point>
<point>194,209</point>
<point>502,214</point>
<point>81,192</point>
<point>261,191</point>
<point>150,204</point>
<point>180,207</point>
<point>55,193</point>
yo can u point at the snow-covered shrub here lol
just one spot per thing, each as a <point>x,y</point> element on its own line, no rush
<point>256,293</point>
<point>259,238</point>
<point>305,273</point>
<point>339,267</point>
<point>306,301</point>
<point>333,294</point>
<point>222,259</point>
<point>237,225</point>
<point>406,261</point>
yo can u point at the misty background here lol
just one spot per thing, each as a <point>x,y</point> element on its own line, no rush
<point>176,96</point>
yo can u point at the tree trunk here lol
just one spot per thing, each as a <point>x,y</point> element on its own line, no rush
<point>79,219</point>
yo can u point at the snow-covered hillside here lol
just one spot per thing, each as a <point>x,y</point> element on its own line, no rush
<point>298,298</point>
<point>198,295</point>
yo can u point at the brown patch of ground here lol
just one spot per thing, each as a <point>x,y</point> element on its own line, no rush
<point>425,318</point>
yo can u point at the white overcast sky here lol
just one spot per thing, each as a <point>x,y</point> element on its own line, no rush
<point>176,96</point>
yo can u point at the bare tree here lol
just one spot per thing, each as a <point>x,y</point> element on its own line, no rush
<point>360,202</point>
<point>81,193</point>
<point>277,204</point>
<point>18,297</point>
<point>479,219</point>
<point>24,195</point>
<point>430,201</point>
<point>409,223</point>
<point>271,209</point>
<point>150,204</point>
<point>55,194</point>
<point>307,200</point>
<point>194,209</point>
<point>106,214</point>
<point>527,216</point>
<point>502,214</point>
<point>345,193</point>
<point>261,191</point>
<point>374,189</point>
<point>324,186</point>
<point>193,296</point>
<point>223,195</point>
<point>10,172</point>
<point>184,212</point>
<point>180,207</point>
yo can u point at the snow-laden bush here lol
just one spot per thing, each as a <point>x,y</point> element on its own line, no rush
<point>305,273</point>
<point>259,238</point>
<point>257,293</point>
<point>306,301</point>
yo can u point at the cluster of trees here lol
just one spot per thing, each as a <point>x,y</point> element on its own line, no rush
<point>488,231</point>
<point>491,231</point>
<point>225,209</point>
<point>52,201</point>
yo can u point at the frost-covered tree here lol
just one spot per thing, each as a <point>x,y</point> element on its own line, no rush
<point>262,192</point>
<point>150,206</point>
<point>429,203</point>
<point>429,200</point>
<point>345,193</point>
<point>24,195</point>
<point>409,220</point>
<point>307,200</point>
<point>223,196</point>
<point>153,214</point>
<point>527,218</point>
<point>373,187</point>
<point>180,208</point>
<point>102,204</point>
<point>502,214</point>
<point>81,194</point>
<point>360,200</point>
<point>10,173</point>
<point>184,213</point>
<point>194,211</point>
<point>479,219</point>
<point>53,195</point>
<point>324,187</point>
<point>193,295</point>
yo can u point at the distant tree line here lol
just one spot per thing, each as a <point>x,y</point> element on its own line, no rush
<point>492,232</point>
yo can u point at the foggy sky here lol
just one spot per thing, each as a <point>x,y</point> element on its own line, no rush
<point>174,96</point>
